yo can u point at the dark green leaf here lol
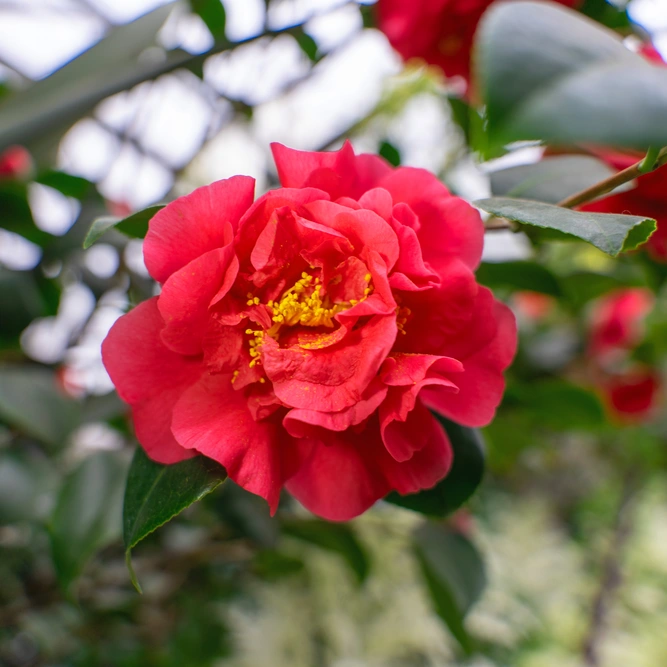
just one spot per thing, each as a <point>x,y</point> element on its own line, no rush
<point>609,232</point>
<point>551,180</point>
<point>135,225</point>
<point>16,213</point>
<point>20,302</point>
<point>212,13</point>
<point>335,537</point>
<point>308,44</point>
<point>454,574</point>
<point>461,482</point>
<point>579,288</point>
<point>107,68</point>
<point>156,493</point>
<point>87,515</point>
<point>69,185</point>
<point>271,564</point>
<point>390,153</point>
<point>519,275</point>
<point>556,404</point>
<point>31,402</point>
<point>607,14</point>
<point>548,73</point>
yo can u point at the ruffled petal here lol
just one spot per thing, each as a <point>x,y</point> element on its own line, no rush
<point>192,225</point>
<point>186,296</point>
<point>481,384</point>
<point>215,420</point>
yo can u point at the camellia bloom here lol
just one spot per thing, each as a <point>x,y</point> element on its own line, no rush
<point>299,340</point>
<point>15,162</point>
<point>440,32</point>
<point>617,321</point>
<point>633,396</point>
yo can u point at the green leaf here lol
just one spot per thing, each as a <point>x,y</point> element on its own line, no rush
<point>610,233</point>
<point>336,537</point>
<point>31,402</point>
<point>59,100</point>
<point>213,14</point>
<point>454,574</point>
<point>308,44</point>
<point>135,225</point>
<point>461,482</point>
<point>548,73</point>
<point>390,153</point>
<point>20,302</point>
<point>607,14</point>
<point>16,213</point>
<point>556,404</point>
<point>551,180</point>
<point>581,287</point>
<point>87,514</point>
<point>272,565</point>
<point>156,493</point>
<point>519,275</point>
<point>67,184</point>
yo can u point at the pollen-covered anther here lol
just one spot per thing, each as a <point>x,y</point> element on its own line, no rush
<point>402,315</point>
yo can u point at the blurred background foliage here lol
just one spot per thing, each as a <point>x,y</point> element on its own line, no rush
<point>559,559</point>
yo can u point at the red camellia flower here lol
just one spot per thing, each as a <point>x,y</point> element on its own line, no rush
<point>15,162</point>
<point>440,32</point>
<point>299,340</point>
<point>617,321</point>
<point>632,396</point>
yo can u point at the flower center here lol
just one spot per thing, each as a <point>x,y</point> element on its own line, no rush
<point>302,304</point>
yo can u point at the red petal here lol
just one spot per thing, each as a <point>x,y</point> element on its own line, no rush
<point>195,224</point>
<point>481,384</point>
<point>187,295</point>
<point>215,420</point>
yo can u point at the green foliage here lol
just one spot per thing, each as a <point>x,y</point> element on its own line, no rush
<point>519,275</point>
<point>31,402</point>
<point>87,515</point>
<point>336,537</point>
<point>156,493</point>
<point>134,226</point>
<point>213,14</point>
<point>548,74</point>
<point>454,574</point>
<point>611,233</point>
<point>551,180</point>
<point>461,482</point>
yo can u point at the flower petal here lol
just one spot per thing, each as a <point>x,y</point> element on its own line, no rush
<point>192,225</point>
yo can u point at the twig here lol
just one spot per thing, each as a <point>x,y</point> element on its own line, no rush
<point>611,183</point>
<point>611,576</point>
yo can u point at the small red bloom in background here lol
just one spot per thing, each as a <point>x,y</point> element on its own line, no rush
<point>15,163</point>
<point>633,396</point>
<point>299,340</point>
<point>617,322</point>
<point>440,32</point>
<point>533,306</point>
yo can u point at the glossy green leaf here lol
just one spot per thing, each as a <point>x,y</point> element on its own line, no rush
<point>390,153</point>
<point>308,44</point>
<point>67,184</point>
<point>548,73</point>
<point>454,574</point>
<point>519,275</point>
<point>156,493</point>
<point>212,13</point>
<point>461,482</point>
<point>609,232</point>
<point>87,514</point>
<point>550,180</point>
<point>62,98</point>
<point>607,13</point>
<point>135,225</point>
<point>556,404</point>
<point>336,537</point>
<point>31,402</point>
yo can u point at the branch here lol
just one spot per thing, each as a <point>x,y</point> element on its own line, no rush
<point>611,575</point>
<point>611,183</point>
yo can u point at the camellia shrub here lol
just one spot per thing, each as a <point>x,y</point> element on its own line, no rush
<point>347,333</point>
